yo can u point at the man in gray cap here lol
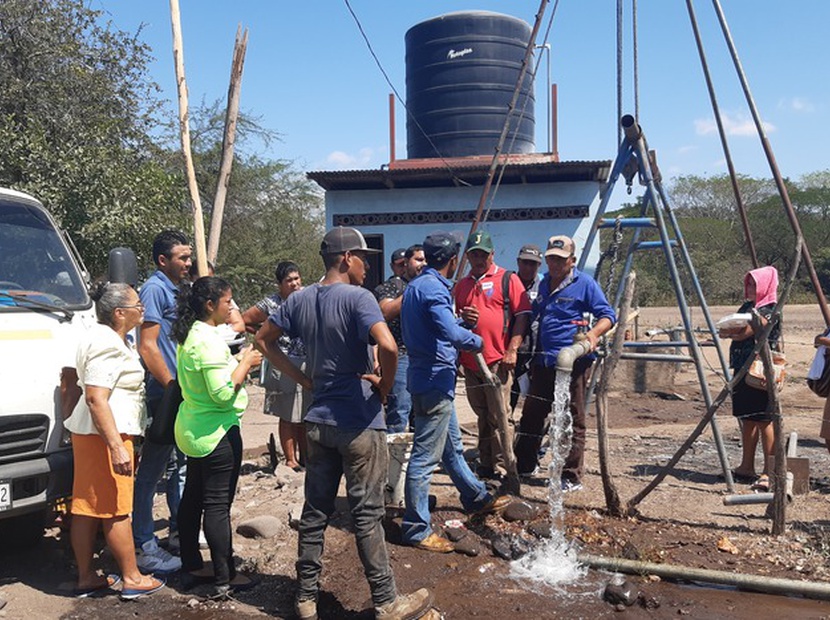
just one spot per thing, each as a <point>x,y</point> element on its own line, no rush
<point>338,321</point>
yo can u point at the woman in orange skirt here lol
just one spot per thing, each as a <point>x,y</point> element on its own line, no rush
<point>107,417</point>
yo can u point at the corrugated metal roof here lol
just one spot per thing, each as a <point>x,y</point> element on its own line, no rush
<point>473,174</point>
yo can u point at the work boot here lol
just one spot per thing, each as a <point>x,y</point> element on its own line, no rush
<point>306,610</point>
<point>409,607</point>
<point>496,504</point>
<point>436,543</point>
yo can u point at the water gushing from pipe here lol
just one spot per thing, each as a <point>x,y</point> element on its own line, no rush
<point>555,562</point>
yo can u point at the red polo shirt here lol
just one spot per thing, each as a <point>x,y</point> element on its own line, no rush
<point>485,293</point>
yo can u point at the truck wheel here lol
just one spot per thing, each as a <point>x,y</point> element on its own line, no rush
<point>22,532</point>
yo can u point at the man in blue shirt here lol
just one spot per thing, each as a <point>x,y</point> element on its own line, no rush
<point>172,255</point>
<point>565,294</point>
<point>338,321</point>
<point>433,337</point>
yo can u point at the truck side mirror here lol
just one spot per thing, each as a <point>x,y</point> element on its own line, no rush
<point>122,266</point>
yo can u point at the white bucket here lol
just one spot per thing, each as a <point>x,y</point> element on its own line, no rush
<point>400,449</point>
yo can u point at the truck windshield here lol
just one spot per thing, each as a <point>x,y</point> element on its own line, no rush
<point>35,262</point>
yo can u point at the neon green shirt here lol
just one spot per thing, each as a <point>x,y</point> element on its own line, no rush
<point>211,405</point>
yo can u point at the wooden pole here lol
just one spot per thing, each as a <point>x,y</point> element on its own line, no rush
<point>612,496</point>
<point>184,130</point>
<point>231,115</point>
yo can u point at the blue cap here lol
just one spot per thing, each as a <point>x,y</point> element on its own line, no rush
<point>441,246</point>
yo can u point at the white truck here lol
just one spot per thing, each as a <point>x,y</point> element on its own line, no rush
<point>44,310</point>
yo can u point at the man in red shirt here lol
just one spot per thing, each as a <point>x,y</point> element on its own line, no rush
<point>480,300</point>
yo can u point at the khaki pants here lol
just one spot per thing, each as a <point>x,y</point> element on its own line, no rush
<point>486,406</point>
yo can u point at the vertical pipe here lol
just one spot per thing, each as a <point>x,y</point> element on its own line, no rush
<point>716,110</point>
<point>391,127</point>
<point>554,120</point>
<point>635,137</point>
<point>779,181</point>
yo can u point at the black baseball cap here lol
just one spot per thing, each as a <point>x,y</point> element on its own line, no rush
<point>441,246</point>
<point>398,254</point>
<point>344,239</point>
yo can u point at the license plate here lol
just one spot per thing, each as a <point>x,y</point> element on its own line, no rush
<point>5,495</point>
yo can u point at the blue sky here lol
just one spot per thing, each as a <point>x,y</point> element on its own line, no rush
<point>310,77</point>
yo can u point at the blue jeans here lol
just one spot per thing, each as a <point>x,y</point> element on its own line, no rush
<point>437,438</point>
<point>155,460</point>
<point>399,402</point>
<point>362,457</point>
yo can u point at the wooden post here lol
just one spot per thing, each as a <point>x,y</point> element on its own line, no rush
<point>612,496</point>
<point>231,115</point>
<point>184,130</point>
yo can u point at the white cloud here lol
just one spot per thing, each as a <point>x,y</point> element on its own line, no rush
<point>800,105</point>
<point>342,160</point>
<point>734,124</point>
<point>686,149</point>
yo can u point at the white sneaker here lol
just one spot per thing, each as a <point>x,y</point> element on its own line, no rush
<point>153,559</point>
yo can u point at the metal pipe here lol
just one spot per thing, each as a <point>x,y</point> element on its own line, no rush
<point>773,165</point>
<point>391,127</point>
<point>757,583</point>
<point>746,499</point>
<point>631,128</point>
<point>658,357</point>
<point>567,356</point>
<point>554,119</point>
<point>733,176</point>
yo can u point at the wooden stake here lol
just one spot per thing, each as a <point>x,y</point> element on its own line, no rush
<point>231,115</point>
<point>184,130</point>
<point>612,497</point>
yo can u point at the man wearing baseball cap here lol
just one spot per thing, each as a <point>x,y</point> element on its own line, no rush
<point>338,321</point>
<point>390,296</point>
<point>527,268</point>
<point>433,336</point>
<point>494,302</point>
<point>565,294</point>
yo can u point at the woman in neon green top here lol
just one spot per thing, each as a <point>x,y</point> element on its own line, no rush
<point>207,430</point>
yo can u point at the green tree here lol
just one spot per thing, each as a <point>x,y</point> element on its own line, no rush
<point>77,112</point>
<point>272,212</point>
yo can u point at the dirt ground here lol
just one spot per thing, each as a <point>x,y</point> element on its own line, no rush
<point>682,522</point>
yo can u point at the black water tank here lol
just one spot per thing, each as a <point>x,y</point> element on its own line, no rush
<point>461,70</point>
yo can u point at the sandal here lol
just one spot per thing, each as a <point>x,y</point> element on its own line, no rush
<point>129,594</point>
<point>109,582</point>
<point>761,484</point>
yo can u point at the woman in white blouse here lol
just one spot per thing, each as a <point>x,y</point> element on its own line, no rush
<point>109,415</point>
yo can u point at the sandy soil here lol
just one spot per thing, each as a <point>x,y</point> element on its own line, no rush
<point>683,522</point>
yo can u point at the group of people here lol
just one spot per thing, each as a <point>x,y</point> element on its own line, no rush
<point>343,368</point>
<point>122,388</point>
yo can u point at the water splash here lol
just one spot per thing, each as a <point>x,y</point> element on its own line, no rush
<point>555,563</point>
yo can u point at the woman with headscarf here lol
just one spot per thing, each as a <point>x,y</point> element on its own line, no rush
<point>749,404</point>
<point>108,416</point>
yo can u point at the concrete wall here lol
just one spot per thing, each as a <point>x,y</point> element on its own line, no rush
<point>508,236</point>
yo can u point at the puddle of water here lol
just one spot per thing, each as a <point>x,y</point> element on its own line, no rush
<point>554,563</point>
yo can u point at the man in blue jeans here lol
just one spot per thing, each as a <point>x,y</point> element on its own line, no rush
<point>172,255</point>
<point>338,321</point>
<point>433,337</point>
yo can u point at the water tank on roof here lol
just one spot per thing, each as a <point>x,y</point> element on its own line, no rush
<point>461,70</point>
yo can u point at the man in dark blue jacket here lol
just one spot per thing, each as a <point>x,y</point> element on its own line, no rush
<point>433,337</point>
<point>565,294</point>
